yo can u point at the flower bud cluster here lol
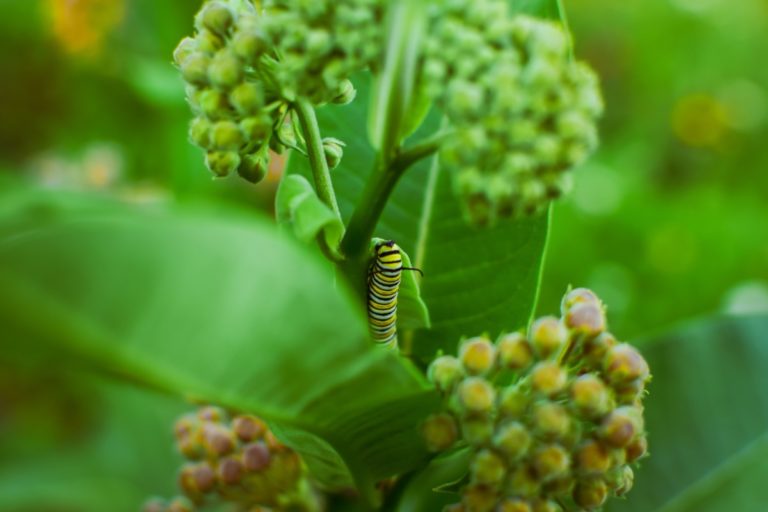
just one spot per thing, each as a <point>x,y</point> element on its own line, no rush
<point>553,417</point>
<point>237,110</point>
<point>235,460</point>
<point>522,112</point>
<point>320,44</point>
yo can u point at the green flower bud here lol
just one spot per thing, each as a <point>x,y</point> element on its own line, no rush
<point>480,498</point>
<point>256,128</point>
<point>477,430</point>
<point>200,132</point>
<point>445,372</point>
<point>590,493</point>
<point>578,296</point>
<point>333,150</point>
<point>551,462</point>
<point>587,319</point>
<point>230,471</point>
<point>284,471</point>
<point>180,504</point>
<point>592,458</point>
<point>249,45</point>
<point>253,168</point>
<point>623,364</point>
<point>548,378</point>
<point>256,457</point>
<point>590,396</point>
<point>184,49</point>
<point>248,428</point>
<point>548,335</point>
<point>222,163</point>
<point>523,482</point>
<point>546,506</point>
<point>477,355</point>
<point>226,136</point>
<point>225,70</point>
<point>621,480</point>
<point>247,98</point>
<point>514,351</point>
<point>476,395</point>
<point>513,440</point>
<point>208,42</point>
<point>559,487</point>
<point>439,431</point>
<point>212,414</point>
<point>487,468</point>
<point>194,68</point>
<point>465,99</point>
<point>345,93</point>
<point>513,505</point>
<point>550,420</point>
<point>637,449</point>
<point>216,17</point>
<point>621,426</point>
<point>214,104</point>
<point>514,402</point>
<point>630,393</point>
<point>185,426</point>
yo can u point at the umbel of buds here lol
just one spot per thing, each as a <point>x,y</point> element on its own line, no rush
<point>553,417</point>
<point>235,460</point>
<point>522,112</point>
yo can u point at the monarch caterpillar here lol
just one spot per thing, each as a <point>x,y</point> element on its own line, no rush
<point>383,285</point>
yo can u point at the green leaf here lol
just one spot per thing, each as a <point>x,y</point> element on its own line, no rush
<point>552,9</point>
<point>394,87</point>
<point>707,420</point>
<point>221,309</point>
<point>426,489</point>
<point>298,207</point>
<point>475,280</point>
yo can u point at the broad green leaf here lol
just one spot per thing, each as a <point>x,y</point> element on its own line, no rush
<point>412,313</point>
<point>707,420</point>
<point>425,490</point>
<point>475,280</point>
<point>298,207</point>
<point>552,9</point>
<point>394,86</point>
<point>221,309</point>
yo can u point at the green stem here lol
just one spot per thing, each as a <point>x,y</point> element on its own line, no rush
<point>314,141</point>
<point>376,194</point>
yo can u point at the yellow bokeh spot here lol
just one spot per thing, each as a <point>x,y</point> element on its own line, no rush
<point>80,26</point>
<point>700,120</point>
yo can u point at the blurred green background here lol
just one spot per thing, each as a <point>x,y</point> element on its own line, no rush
<point>668,221</point>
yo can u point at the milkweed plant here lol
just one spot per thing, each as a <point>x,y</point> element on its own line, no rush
<point>425,142</point>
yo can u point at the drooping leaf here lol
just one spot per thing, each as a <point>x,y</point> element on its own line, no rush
<point>707,420</point>
<point>298,207</point>
<point>222,309</point>
<point>475,280</point>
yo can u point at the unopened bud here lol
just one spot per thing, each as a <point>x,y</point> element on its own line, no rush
<point>194,68</point>
<point>623,364</point>
<point>590,396</point>
<point>184,49</point>
<point>594,350</point>
<point>548,335</point>
<point>445,372</point>
<point>513,505</point>
<point>256,128</point>
<point>546,506</point>
<point>345,93</point>
<point>621,426</point>
<point>551,462</point>
<point>476,395</point>
<point>334,151</point>
<point>225,70</point>
<point>214,104</point>
<point>630,393</point>
<point>154,505</point>
<point>248,428</point>
<point>514,351</point>
<point>578,296</point>
<point>230,471</point>
<point>253,168</point>
<point>200,132</point>
<point>222,163</point>
<point>524,482</point>
<point>439,431</point>
<point>197,479</point>
<point>226,136</point>
<point>477,355</point>
<point>215,16</point>
<point>622,480</point>
<point>548,378</point>
<point>637,449</point>
<point>514,402</point>
<point>487,468</point>
<point>477,430</point>
<point>513,440</point>
<point>180,504</point>
<point>586,319</point>
<point>592,457</point>
<point>550,420</point>
<point>249,45</point>
<point>208,42</point>
<point>247,98</point>
<point>590,493</point>
<point>479,497</point>
<point>256,457</point>
<point>218,440</point>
